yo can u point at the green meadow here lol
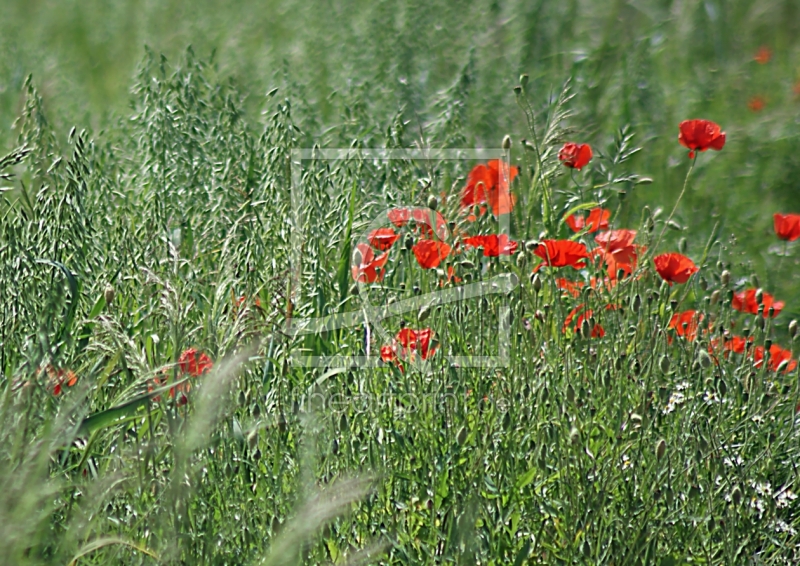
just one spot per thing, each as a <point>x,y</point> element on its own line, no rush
<point>302,283</point>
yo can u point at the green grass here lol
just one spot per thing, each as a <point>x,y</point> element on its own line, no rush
<point>130,238</point>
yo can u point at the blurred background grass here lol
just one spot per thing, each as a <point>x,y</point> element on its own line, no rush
<point>647,63</point>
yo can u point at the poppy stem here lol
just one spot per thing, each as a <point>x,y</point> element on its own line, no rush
<point>677,202</point>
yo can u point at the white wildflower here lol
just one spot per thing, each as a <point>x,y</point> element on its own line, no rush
<point>784,497</point>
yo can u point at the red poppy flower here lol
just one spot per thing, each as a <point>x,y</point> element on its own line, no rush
<point>756,103</point>
<point>490,184</point>
<point>492,244</point>
<point>737,344</point>
<point>777,355</point>
<point>369,268</point>
<point>686,323</point>
<point>571,287</point>
<point>702,135</point>
<point>597,330</point>
<point>193,364</point>
<point>59,378</point>
<point>389,355</point>
<point>597,220</point>
<point>424,219</point>
<point>399,216</point>
<point>181,388</point>
<point>615,241</point>
<point>430,253</point>
<point>451,277</point>
<point>561,253</point>
<point>674,267</point>
<point>417,341</point>
<point>242,299</point>
<point>763,55</point>
<point>383,238</point>
<point>575,155</point>
<point>787,226</point>
<point>407,344</point>
<point>745,301</point>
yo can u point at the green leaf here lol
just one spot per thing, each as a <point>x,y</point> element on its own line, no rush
<point>526,478</point>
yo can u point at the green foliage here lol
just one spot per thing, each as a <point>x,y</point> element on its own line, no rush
<point>176,222</point>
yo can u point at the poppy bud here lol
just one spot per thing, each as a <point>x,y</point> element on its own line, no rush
<point>586,328</point>
<point>754,281</point>
<point>521,260</point>
<point>661,449</point>
<point>771,311</point>
<point>682,245</point>
<point>409,242</point>
<point>536,281</point>
<point>570,394</point>
<point>663,363</point>
<point>424,313</point>
<point>636,420</point>
<point>507,142</point>
<point>715,297</point>
<point>759,296</point>
<point>517,90</point>
<point>793,329</point>
<point>760,319</point>
<point>736,495</point>
<point>704,359</point>
<point>574,436</point>
<point>703,283</point>
<point>256,412</point>
<point>433,202</point>
<point>523,80</point>
<point>109,294</point>
<point>636,303</point>
<point>461,437</point>
<point>725,277</point>
<point>767,346</point>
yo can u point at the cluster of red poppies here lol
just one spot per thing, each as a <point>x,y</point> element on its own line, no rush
<point>615,252</point>
<point>58,378</point>
<point>408,344</point>
<point>190,363</point>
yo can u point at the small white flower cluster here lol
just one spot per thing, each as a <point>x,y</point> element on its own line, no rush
<point>782,527</point>
<point>764,489</point>
<point>675,400</point>
<point>758,505</point>
<point>710,397</point>
<point>732,462</point>
<point>683,386</point>
<point>626,462</point>
<point>784,497</point>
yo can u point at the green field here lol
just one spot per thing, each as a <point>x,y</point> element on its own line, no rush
<point>157,220</point>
